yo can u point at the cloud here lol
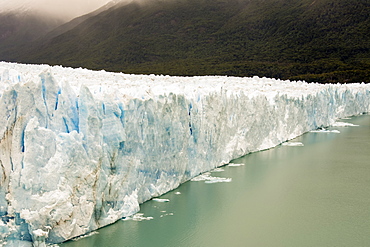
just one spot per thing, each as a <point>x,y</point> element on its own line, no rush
<point>66,9</point>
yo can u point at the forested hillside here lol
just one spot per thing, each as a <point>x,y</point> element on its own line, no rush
<point>314,40</point>
<point>18,29</point>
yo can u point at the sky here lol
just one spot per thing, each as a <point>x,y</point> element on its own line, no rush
<point>66,9</point>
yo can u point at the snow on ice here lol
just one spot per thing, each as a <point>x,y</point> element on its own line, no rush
<point>82,149</point>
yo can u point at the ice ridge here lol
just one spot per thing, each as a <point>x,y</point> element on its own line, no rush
<point>81,149</point>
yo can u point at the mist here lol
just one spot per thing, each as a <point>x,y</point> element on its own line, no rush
<point>64,9</point>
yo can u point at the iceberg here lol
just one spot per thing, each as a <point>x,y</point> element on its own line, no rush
<point>82,149</point>
<point>160,200</point>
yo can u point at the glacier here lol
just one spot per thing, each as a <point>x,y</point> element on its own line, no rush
<point>82,149</point>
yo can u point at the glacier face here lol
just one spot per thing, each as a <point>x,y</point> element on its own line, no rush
<point>81,149</point>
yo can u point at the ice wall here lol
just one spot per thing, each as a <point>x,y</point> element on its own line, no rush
<point>81,149</point>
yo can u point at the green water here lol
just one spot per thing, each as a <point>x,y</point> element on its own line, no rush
<point>312,195</point>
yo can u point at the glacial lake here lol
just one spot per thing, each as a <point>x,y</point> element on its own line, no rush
<point>313,193</point>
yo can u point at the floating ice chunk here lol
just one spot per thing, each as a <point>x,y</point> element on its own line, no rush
<point>293,144</point>
<point>207,178</point>
<point>343,124</point>
<point>218,180</point>
<point>335,131</point>
<point>325,131</point>
<point>219,169</point>
<point>163,215</point>
<point>201,177</point>
<point>160,200</point>
<point>233,164</point>
<point>138,217</point>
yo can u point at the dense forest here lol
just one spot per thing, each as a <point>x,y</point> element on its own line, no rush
<point>326,41</point>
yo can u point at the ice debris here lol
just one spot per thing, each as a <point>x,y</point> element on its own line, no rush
<point>218,169</point>
<point>235,164</point>
<point>325,131</point>
<point>163,215</point>
<point>343,124</point>
<point>207,178</point>
<point>293,144</point>
<point>160,200</point>
<point>137,217</point>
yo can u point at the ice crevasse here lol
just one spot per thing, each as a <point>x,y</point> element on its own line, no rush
<point>81,149</point>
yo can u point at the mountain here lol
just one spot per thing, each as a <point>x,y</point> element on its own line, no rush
<point>78,20</point>
<point>314,40</point>
<point>19,29</point>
